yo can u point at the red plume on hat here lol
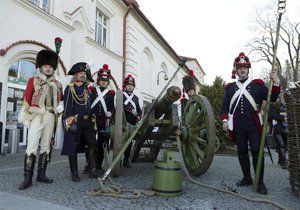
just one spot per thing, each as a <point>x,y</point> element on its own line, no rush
<point>191,73</point>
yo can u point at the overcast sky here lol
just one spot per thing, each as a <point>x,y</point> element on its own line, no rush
<point>213,31</point>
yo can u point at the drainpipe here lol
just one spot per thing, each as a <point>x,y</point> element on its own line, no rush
<point>124,42</point>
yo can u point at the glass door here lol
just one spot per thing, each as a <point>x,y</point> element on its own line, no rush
<point>18,75</point>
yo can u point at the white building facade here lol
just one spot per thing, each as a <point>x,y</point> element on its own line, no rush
<point>113,32</point>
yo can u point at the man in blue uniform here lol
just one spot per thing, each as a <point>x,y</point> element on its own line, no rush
<point>77,102</point>
<point>277,117</point>
<point>103,108</point>
<point>132,109</point>
<point>241,114</point>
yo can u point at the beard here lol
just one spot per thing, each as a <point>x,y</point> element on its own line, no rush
<point>81,79</point>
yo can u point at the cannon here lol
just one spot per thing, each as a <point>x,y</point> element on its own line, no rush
<point>197,131</point>
<point>158,126</point>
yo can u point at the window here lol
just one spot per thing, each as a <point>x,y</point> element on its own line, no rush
<point>21,71</point>
<point>101,28</point>
<point>43,4</point>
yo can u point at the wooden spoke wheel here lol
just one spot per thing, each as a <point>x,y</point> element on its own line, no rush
<point>198,135</point>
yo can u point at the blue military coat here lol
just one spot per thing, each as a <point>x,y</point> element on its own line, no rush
<point>72,143</point>
<point>132,117</point>
<point>245,116</point>
<point>98,109</point>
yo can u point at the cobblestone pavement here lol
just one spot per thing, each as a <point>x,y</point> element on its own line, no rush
<point>64,192</point>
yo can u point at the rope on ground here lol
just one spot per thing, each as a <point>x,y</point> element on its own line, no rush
<point>259,200</point>
<point>115,190</point>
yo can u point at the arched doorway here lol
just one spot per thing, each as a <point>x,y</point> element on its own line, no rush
<point>16,66</point>
<point>18,74</point>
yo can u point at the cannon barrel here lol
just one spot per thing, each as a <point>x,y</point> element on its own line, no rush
<point>164,105</point>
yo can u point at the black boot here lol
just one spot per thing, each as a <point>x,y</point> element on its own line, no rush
<point>94,172</point>
<point>126,162</point>
<point>261,188</point>
<point>41,176</point>
<point>29,162</point>
<point>86,169</point>
<point>74,168</point>
<point>284,163</point>
<point>280,156</point>
<point>245,165</point>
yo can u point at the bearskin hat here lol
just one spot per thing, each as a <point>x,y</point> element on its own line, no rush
<point>188,81</point>
<point>81,66</point>
<point>104,73</point>
<point>129,80</point>
<point>46,57</point>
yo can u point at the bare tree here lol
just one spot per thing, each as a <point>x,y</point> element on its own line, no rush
<point>291,37</point>
<point>264,43</point>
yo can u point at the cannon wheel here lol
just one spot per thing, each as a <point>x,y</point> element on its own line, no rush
<point>198,151</point>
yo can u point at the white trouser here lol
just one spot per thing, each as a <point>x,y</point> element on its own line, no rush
<point>41,128</point>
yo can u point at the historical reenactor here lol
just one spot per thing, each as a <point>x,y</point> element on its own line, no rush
<point>42,99</point>
<point>277,117</point>
<point>241,113</point>
<point>103,108</point>
<point>189,87</point>
<point>78,121</point>
<point>132,109</point>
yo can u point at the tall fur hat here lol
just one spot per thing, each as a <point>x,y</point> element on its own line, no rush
<point>46,57</point>
<point>188,81</point>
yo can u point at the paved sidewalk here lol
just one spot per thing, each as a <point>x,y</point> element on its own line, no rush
<point>17,202</point>
<point>65,194</point>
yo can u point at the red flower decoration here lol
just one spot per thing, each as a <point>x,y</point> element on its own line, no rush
<point>57,43</point>
<point>58,40</point>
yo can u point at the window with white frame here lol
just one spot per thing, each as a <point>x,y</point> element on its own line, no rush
<point>43,4</point>
<point>101,28</point>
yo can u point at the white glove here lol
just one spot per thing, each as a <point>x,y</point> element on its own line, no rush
<point>60,107</point>
<point>24,115</point>
<point>108,114</point>
<point>134,112</point>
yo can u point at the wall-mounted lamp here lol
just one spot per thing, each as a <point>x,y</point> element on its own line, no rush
<point>165,77</point>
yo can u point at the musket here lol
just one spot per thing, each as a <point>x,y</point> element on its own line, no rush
<point>269,151</point>
<point>281,11</point>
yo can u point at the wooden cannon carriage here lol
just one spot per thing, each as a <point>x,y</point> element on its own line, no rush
<point>160,123</point>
